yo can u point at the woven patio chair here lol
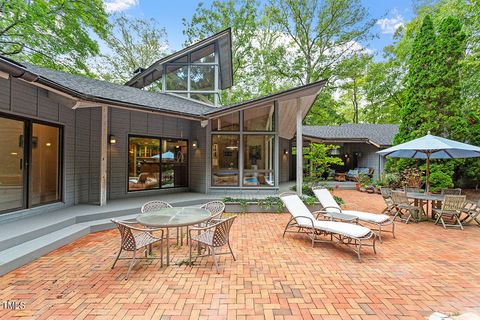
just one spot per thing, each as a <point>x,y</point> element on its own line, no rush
<point>451,210</point>
<point>134,239</point>
<point>414,190</point>
<point>154,205</point>
<point>404,206</point>
<point>387,197</point>
<point>353,236</point>
<point>213,236</point>
<point>216,209</point>
<point>472,211</point>
<point>455,192</point>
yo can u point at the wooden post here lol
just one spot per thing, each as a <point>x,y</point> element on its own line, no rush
<point>427,177</point>
<point>299,175</point>
<point>103,156</point>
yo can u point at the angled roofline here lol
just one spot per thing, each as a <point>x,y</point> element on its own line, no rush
<point>19,71</point>
<point>344,140</point>
<point>178,54</point>
<point>267,98</point>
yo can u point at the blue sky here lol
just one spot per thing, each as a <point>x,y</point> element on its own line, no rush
<point>169,14</point>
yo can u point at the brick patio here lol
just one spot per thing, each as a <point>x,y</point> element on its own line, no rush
<point>425,269</point>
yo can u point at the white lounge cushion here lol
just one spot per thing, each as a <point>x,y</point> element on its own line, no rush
<point>297,208</point>
<point>367,216</point>
<point>346,229</point>
<point>328,201</point>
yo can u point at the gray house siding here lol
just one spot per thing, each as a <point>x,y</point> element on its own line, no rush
<point>80,168</point>
<point>284,160</point>
<point>123,123</point>
<point>198,159</point>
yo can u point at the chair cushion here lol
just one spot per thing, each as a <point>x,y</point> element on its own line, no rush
<point>343,228</point>
<point>297,208</point>
<point>367,216</point>
<point>326,200</point>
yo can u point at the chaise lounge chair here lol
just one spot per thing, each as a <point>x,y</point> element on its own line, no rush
<point>303,221</point>
<point>332,209</point>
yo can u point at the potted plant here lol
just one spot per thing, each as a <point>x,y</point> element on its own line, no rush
<point>360,179</point>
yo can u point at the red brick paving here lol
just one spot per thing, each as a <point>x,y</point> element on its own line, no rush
<point>425,269</point>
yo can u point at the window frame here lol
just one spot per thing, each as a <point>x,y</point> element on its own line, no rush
<point>160,139</point>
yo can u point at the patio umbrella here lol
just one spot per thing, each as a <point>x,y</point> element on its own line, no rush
<point>431,147</point>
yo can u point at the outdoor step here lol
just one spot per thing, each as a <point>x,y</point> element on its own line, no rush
<point>21,254</point>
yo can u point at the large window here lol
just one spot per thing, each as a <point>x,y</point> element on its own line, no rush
<point>258,160</point>
<point>194,75</point>
<point>247,137</point>
<point>30,163</point>
<point>225,170</point>
<point>155,163</point>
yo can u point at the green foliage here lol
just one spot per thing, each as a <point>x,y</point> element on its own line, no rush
<point>318,158</point>
<point>271,203</point>
<point>57,34</point>
<point>132,43</point>
<point>391,180</point>
<point>439,180</point>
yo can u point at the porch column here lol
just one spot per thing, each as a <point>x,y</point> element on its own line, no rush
<point>103,156</point>
<point>299,175</point>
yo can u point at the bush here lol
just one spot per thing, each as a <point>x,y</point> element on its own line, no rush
<point>391,180</point>
<point>440,180</point>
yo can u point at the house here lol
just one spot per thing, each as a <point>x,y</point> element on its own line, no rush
<point>67,139</point>
<point>358,143</point>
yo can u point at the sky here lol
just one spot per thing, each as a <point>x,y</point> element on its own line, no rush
<point>169,14</point>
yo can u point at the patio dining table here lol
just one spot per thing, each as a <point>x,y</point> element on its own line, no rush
<point>175,217</point>
<point>433,199</point>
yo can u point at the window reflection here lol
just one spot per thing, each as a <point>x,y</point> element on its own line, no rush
<point>229,122</point>
<point>177,77</point>
<point>259,119</point>
<point>143,164</point>
<point>174,163</point>
<point>225,170</point>
<point>258,160</point>
<point>202,78</point>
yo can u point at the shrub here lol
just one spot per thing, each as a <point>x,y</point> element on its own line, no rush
<point>440,180</point>
<point>412,177</point>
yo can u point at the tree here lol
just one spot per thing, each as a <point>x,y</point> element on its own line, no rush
<point>319,160</point>
<point>132,44</point>
<point>56,34</point>
<point>418,114</point>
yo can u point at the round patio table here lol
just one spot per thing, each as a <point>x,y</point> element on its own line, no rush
<point>167,218</point>
<point>427,198</point>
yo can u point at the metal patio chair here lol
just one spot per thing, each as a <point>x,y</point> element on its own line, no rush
<point>154,205</point>
<point>134,239</point>
<point>452,208</point>
<point>213,236</point>
<point>404,206</point>
<point>455,192</point>
<point>472,211</point>
<point>216,209</point>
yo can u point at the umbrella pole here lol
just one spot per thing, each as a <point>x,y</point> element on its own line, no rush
<point>427,178</point>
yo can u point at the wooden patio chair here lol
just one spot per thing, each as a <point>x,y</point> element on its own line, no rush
<point>134,239</point>
<point>213,236</point>
<point>455,192</point>
<point>404,206</point>
<point>387,198</point>
<point>414,190</point>
<point>452,208</point>
<point>472,211</point>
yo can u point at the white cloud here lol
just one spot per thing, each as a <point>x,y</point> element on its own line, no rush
<point>119,5</point>
<point>390,25</point>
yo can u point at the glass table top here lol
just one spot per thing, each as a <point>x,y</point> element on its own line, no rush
<point>173,217</point>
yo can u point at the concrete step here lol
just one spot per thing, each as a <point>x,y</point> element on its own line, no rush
<point>23,253</point>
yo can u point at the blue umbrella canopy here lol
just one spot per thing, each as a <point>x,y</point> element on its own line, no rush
<point>431,147</point>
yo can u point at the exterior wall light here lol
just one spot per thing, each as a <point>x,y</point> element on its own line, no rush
<point>112,139</point>
<point>285,151</point>
<point>195,144</point>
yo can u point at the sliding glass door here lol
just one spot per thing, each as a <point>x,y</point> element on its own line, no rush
<point>30,159</point>
<point>12,161</point>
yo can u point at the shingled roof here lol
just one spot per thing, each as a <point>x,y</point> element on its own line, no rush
<point>88,88</point>
<point>378,134</point>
